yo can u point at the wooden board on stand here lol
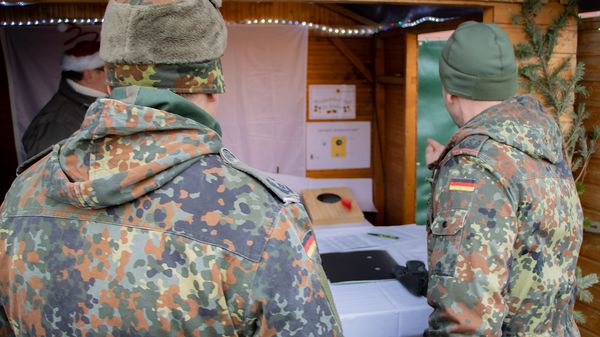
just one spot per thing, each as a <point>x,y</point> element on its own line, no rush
<point>328,206</point>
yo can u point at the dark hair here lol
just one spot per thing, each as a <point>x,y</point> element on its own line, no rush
<point>72,75</point>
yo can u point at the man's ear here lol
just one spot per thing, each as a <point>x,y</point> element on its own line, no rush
<point>448,97</point>
<point>87,76</point>
<point>212,97</point>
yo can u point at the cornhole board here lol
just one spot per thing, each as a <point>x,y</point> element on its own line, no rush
<point>329,213</point>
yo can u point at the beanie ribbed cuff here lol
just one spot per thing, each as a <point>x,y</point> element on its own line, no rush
<point>188,78</point>
<point>480,88</point>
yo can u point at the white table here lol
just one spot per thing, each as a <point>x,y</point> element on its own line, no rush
<point>378,308</point>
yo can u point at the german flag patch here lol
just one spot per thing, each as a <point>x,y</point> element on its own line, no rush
<point>309,244</point>
<point>461,151</point>
<point>465,185</point>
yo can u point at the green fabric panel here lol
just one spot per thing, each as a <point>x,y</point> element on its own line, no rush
<point>433,120</point>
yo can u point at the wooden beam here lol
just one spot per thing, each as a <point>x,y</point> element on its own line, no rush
<point>410,129</point>
<point>343,173</point>
<point>394,80</point>
<point>349,14</point>
<point>378,151</point>
<point>488,15</point>
<point>341,46</point>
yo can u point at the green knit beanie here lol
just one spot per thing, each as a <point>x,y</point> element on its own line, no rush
<point>478,62</point>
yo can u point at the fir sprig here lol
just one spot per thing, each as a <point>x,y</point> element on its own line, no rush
<point>558,91</point>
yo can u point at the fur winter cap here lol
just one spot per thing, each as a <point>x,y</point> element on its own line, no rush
<point>174,44</point>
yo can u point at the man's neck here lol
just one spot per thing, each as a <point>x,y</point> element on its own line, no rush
<point>81,89</point>
<point>473,108</point>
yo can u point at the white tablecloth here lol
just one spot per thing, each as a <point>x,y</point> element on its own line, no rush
<point>378,308</point>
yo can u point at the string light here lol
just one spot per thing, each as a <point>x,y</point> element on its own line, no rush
<point>88,21</point>
<point>345,31</point>
<point>340,31</point>
<point>12,4</point>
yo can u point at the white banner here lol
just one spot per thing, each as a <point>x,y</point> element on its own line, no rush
<point>263,110</point>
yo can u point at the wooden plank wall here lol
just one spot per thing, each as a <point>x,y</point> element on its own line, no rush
<point>298,11</point>
<point>502,14</point>
<point>588,51</point>
<point>395,149</point>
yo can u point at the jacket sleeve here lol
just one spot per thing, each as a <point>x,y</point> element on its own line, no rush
<point>470,244</point>
<point>291,295</point>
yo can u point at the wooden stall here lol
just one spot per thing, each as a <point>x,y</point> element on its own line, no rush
<point>588,51</point>
<point>383,67</point>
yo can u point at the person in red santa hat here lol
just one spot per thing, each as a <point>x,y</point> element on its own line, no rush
<point>83,80</point>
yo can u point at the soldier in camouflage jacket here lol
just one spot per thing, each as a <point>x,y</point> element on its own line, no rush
<point>143,224</point>
<point>506,222</point>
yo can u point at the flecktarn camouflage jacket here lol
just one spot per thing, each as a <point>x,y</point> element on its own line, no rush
<point>142,224</point>
<point>505,228</point>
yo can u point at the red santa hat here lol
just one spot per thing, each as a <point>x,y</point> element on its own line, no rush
<point>84,55</point>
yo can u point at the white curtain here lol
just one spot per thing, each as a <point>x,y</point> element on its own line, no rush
<point>262,113</point>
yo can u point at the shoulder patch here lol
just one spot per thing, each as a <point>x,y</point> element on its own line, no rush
<point>471,145</point>
<point>459,184</point>
<point>309,244</point>
<point>283,192</point>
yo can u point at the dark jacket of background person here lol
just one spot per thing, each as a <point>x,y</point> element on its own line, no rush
<point>57,120</point>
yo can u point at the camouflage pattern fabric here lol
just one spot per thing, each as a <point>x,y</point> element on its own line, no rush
<point>141,224</point>
<point>505,228</point>
<point>206,77</point>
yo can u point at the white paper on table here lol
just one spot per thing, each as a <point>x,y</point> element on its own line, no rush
<point>410,237</point>
<point>405,231</point>
<point>343,243</point>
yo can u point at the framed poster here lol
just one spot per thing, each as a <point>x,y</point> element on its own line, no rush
<point>331,101</point>
<point>338,145</point>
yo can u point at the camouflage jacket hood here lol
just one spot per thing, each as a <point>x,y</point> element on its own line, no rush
<point>109,162</point>
<point>526,127</point>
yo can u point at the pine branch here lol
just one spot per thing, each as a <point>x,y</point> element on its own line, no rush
<point>579,317</point>
<point>524,51</point>
<point>558,92</point>
<point>587,281</point>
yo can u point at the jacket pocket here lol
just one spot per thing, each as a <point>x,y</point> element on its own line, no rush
<point>446,240</point>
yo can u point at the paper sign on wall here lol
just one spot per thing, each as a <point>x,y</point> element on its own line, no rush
<point>332,101</point>
<point>338,145</point>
